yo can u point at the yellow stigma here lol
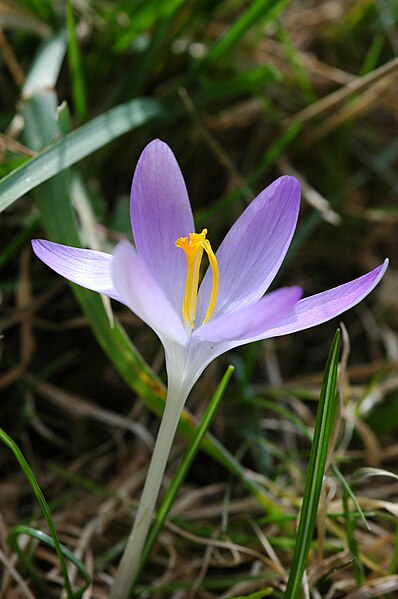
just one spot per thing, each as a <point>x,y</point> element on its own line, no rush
<point>194,251</point>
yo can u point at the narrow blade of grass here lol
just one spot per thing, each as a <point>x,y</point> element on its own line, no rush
<point>12,540</point>
<point>256,595</point>
<point>257,11</point>
<point>316,467</point>
<point>147,62</point>
<point>75,65</point>
<point>350,529</point>
<point>6,439</point>
<point>350,493</point>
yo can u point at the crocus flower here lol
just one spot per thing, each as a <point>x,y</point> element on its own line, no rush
<point>159,281</point>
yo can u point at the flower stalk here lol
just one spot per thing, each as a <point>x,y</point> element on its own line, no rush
<point>129,564</point>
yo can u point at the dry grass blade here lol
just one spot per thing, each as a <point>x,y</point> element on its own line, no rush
<point>368,100</point>
<point>311,195</point>
<point>376,588</point>
<point>11,61</point>
<point>221,155</point>
<point>332,101</point>
<point>270,49</point>
<point>22,586</point>
<point>269,550</point>
<point>27,310</point>
<point>80,406</point>
<point>236,550</point>
<point>8,143</point>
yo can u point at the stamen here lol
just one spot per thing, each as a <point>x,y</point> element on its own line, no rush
<point>216,279</point>
<point>194,251</point>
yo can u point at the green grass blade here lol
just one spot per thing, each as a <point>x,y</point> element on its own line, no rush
<point>75,65</point>
<point>300,72</point>
<point>163,24</point>
<point>12,540</point>
<point>183,468</point>
<point>76,145</point>
<point>260,10</point>
<point>6,439</point>
<point>350,493</point>
<point>257,594</point>
<point>17,242</point>
<point>43,8</point>
<point>316,467</point>
<point>394,558</point>
<point>350,529</point>
<point>275,149</point>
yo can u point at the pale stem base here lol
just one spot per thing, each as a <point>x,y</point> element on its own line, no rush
<point>132,554</point>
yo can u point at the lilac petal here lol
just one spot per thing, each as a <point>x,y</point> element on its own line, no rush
<point>160,214</point>
<point>321,307</point>
<point>254,248</point>
<point>252,320</point>
<point>88,268</point>
<point>141,293</point>
<point>308,312</point>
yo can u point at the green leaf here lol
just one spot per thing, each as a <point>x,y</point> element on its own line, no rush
<point>46,66</point>
<point>78,144</point>
<point>316,468</point>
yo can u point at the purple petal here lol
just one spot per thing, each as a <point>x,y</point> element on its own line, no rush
<point>321,307</point>
<point>88,268</point>
<point>160,214</point>
<point>252,320</point>
<point>253,250</point>
<point>141,293</point>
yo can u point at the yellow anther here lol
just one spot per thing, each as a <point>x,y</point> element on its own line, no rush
<point>194,251</point>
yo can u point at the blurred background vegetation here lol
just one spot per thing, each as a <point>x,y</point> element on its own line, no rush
<point>242,92</point>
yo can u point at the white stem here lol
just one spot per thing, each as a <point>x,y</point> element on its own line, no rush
<point>130,561</point>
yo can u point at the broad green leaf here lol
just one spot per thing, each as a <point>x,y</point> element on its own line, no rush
<point>66,151</point>
<point>46,65</point>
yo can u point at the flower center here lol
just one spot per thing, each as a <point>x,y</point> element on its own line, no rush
<point>194,251</point>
